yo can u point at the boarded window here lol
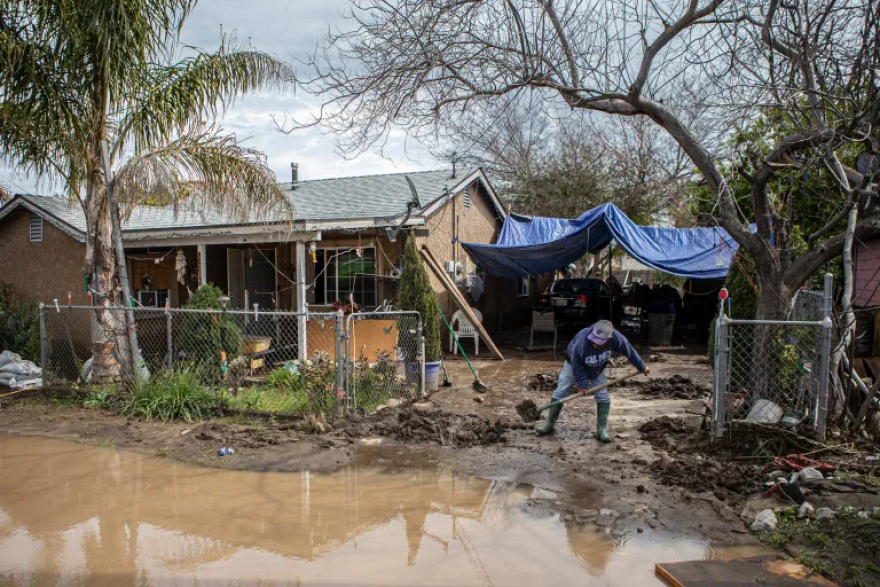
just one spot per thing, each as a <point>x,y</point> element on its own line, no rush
<point>36,228</point>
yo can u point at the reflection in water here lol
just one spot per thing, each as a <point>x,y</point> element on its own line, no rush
<point>71,514</point>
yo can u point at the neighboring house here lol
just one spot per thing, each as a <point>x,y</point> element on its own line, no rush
<point>337,244</point>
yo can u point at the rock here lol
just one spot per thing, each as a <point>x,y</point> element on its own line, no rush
<point>825,514</point>
<point>586,516</point>
<point>806,510</point>
<point>764,521</point>
<point>609,512</point>
<point>538,493</point>
<point>810,473</point>
<point>775,474</point>
<point>479,399</point>
<point>424,407</point>
<point>665,461</point>
<point>641,489</point>
<point>393,403</point>
<point>604,521</point>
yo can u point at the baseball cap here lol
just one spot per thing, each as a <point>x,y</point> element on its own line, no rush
<point>601,332</point>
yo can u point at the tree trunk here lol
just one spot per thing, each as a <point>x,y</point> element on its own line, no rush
<point>109,341</point>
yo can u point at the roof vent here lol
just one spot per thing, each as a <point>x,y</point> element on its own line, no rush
<point>294,176</point>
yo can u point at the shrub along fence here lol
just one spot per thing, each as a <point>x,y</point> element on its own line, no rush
<point>277,362</point>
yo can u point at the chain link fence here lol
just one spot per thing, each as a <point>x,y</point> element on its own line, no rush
<point>384,350</point>
<point>279,362</point>
<point>774,372</point>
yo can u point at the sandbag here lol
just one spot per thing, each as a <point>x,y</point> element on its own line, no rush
<point>22,368</point>
<point>7,357</point>
<point>27,383</point>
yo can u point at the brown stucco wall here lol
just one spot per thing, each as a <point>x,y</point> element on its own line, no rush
<point>45,270</point>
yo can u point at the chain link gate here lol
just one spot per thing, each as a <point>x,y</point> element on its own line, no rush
<point>385,358</point>
<point>774,371</point>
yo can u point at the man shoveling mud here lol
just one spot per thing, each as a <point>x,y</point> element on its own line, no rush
<point>584,367</point>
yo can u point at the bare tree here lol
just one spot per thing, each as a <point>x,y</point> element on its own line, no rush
<point>420,64</point>
<point>562,164</point>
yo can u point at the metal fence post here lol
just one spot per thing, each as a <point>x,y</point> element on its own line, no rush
<point>340,362</point>
<point>821,411</point>
<point>722,354</point>
<point>44,343</point>
<point>169,327</point>
<point>421,338</point>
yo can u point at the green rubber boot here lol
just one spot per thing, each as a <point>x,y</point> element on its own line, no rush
<point>552,416</point>
<point>602,411</point>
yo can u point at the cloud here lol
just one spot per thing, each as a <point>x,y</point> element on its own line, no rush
<point>287,29</point>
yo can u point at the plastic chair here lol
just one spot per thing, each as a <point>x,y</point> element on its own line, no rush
<point>463,328</point>
<point>543,321</point>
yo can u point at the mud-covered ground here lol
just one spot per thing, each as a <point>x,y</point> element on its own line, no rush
<point>612,485</point>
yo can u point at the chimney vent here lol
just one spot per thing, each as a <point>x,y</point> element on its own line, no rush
<point>294,176</point>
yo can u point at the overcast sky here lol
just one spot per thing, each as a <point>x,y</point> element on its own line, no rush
<point>286,29</point>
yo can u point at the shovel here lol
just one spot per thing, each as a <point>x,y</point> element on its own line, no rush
<point>530,413</point>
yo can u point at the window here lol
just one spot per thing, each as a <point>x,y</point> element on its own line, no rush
<point>522,287</point>
<point>347,273</point>
<point>36,228</point>
<point>154,298</point>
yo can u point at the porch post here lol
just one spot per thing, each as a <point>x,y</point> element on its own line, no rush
<point>301,306</point>
<point>203,264</point>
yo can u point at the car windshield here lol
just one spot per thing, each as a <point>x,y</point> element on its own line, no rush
<point>588,287</point>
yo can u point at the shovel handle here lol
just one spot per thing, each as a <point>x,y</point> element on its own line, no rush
<point>590,391</point>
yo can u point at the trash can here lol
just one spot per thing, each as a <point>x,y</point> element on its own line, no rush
<point>660,328</point>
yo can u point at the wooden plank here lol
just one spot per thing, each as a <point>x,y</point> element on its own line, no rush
<point>740,572</point>
<point>459,300</point>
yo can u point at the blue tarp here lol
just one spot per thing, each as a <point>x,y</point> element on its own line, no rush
<point>529,246</point>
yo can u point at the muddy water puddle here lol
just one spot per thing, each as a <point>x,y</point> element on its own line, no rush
<point>79,515</point>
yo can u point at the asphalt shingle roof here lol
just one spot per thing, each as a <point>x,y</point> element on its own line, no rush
<point>344,198</point>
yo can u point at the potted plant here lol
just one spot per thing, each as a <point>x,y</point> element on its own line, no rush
<point>417,295</point>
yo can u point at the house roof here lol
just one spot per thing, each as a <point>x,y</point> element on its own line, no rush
<point>316,204</point>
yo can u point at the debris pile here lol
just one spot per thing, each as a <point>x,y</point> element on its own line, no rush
<point>675,387</point>
<point>445,429</point>
<point>665,432</point>
<point>542,381</point>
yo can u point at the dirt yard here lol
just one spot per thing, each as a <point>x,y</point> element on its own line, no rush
<point>477,434</point>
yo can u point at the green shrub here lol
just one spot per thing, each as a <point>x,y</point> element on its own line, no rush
<point>177,395</point>
<point>417,295</point>
<point>204,336</point>
<point>19,325</point>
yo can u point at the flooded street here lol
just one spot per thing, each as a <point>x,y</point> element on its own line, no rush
<point>78,515</point>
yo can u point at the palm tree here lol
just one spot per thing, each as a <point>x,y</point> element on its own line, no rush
<point>80,75</point>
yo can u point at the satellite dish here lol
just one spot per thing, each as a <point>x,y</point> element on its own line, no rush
<point>868,162</point>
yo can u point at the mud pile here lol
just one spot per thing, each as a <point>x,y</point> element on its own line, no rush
<point>675,387</point>
<point>431,428</point>
<point>665,432</point>
<point>730,482</point>
<point>528,411</point>
<point>542,381</point>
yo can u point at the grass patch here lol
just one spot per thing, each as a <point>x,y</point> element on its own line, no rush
<point>270,399</point>
<point>178,395</point>
<point>842,548</point>
<point>105,443</point>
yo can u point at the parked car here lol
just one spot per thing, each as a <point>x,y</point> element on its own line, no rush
<point>581,300</point>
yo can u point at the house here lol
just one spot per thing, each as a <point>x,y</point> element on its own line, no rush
<point>342,240</point>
